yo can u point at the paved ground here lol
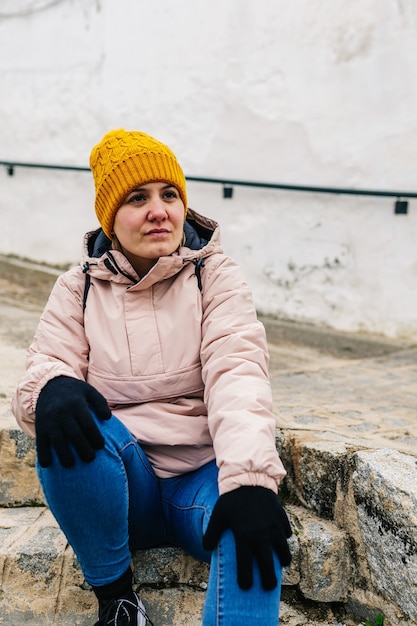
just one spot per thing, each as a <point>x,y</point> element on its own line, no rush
<point>369,400</point>
<point>357,388</point>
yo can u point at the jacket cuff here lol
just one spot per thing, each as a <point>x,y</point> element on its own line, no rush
<point>251,479</point>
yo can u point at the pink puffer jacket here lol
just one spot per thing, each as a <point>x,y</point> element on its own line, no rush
<point>185,370</point>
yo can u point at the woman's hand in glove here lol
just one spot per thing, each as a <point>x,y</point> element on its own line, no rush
<point>260,526</point>
<point>64,419</point>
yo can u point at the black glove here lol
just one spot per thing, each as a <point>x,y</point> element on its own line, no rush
<point>63,417</point>
<point>259,524</point>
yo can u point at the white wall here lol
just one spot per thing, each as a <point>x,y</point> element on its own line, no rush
<point>312,92</point>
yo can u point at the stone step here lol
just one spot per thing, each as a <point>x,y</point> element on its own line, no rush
<point>41,582</point>
<point>355,536</point>
<point>19,485</point>
<point>371,496</point>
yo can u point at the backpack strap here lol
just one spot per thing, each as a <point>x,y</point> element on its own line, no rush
<point>86,284</point>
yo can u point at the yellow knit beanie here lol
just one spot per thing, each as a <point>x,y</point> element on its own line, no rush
<point>124,160</point>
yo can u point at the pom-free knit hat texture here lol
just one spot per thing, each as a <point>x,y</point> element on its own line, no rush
<point>124,160</point>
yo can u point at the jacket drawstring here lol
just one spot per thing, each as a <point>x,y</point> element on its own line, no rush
<point>198,264</point>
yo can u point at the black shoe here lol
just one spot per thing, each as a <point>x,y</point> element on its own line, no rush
<point>123,612</point>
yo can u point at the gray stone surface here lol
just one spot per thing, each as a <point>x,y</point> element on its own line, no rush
<point>385,491</point>
<point>324,559</point>
<point>19,485</point>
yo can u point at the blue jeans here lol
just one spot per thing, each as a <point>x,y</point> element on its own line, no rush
<point>116,504</point>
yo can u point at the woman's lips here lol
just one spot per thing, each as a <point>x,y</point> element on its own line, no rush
<point>158,231</point>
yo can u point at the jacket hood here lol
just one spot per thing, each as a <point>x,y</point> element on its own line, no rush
<point>202,239</point>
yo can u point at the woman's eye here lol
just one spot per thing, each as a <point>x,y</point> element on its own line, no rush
<point>171,193</point>
<point>138,197</point>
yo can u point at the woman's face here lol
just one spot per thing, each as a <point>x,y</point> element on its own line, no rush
<point>149,224</point>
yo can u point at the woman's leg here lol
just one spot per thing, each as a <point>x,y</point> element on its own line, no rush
<point>101,505</point>
<point>188,502</point>
<point>228,605</point>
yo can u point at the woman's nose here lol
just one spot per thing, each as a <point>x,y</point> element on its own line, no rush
<point>157,210</point>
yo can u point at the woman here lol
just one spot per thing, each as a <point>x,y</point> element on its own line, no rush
<point>147,390</point>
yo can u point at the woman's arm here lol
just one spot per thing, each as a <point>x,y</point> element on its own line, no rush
<point>238,397</point>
